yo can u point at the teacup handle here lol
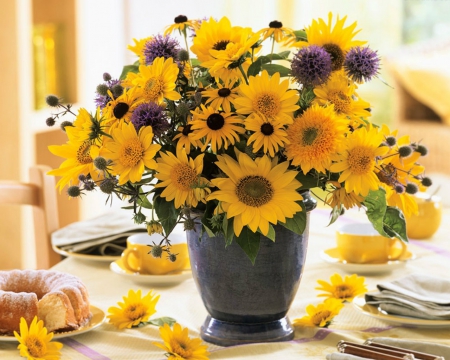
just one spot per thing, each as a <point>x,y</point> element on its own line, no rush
<point>401,252</point>
<point>125,256</point>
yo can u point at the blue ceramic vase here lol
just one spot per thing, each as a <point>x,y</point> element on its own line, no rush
<point>248,303</point>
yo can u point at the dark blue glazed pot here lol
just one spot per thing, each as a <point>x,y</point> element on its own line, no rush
<point>248,303</point>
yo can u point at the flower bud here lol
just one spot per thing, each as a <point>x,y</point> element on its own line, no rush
<point>426,181</point>
<point>423,150</point>
<point>52,100</point>
<point>411,188</point>
<point>117,90</point>
<point>100,163</point>
<point>183,55</point>
<point>404,151</point>
<point>50,121</point>
<point>102,89</point>
<point>64,124</point>
<point>74,191</point>
<point>106,76</point>
<point>154,227</point>
<point>172,257</point>
<point>391,141</point>
<point>156,251</point>
<point>189,224</point>
<point>107,186</point>
<point>139,218</point>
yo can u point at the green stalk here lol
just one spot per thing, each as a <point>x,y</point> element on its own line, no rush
<point>271,51</point>
<point>243,73</point>
<point>190,62</point>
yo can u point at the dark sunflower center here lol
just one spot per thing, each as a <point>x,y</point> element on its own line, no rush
<point>254,190</point>
<point>267,129</point>
<point>221,45</point>
<point>224,92</point>
<point>187,130</point>
<point>275,24</point>
<point>180,19</point>
<point>309,135</point>
<point>215,121</point>
<point>337,56</point>
<point>120,110</point>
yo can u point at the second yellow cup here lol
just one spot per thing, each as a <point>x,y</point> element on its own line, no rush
<point>137,258</point>
<point>361,244</point>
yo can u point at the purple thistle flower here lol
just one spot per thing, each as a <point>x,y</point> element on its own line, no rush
<point>361,63</point>
<point>161,46</point>
<point>311,65</point>
<point>150,114</point>
<point>102,100</point>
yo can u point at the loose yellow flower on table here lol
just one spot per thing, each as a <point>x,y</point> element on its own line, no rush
<point>35,343</point>
<point>133,310</point>
<point>343,289</point>
<point>320,315</point>
<point>179,346</point>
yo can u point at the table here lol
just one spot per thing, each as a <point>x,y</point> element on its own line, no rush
<point>183,303</point>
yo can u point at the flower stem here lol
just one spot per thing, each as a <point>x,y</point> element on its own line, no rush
<point>271,51</point>
<point>193,82</point>
<point>243,73</point>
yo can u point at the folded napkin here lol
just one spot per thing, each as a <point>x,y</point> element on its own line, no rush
<point>341,356</point>
<point>418,296</point>
<point>102,235</point>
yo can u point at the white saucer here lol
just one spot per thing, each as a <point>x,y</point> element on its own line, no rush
<point>98,317</point>
<point>167,279</point>
<point>332,256</point>
<point>359,303</point>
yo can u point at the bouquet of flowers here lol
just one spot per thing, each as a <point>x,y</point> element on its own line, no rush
<point>210,124</point>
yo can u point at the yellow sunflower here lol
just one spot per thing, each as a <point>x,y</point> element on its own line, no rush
<point>314,137</point>
<point>339,197</point>
<point>133,310</point>
<point>267,134</point>
<point>180,176</point>
<point>87,127</point>
<point>157,80</point>
<point>185,138</point>
<point>181,23</point>
<point>35,342</point>
<point>358,159</point>
<point>218,129</point>
<point>179,346</point>
<point>268,97</point>
<point>222,97</point>
<point>121,108</point>
<point>336,40</point>
<point>320,315</point>
<point>276,31</point>
<point>79,157</point>
<point>339,92</point>
<point>138,48</point>
<point>256,193</point>
<point>131,153</point>
<point>217,44</point>
<point>343,289</point>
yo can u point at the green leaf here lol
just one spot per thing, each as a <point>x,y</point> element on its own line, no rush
<point>297,223</point>
<point>274,68</point>
<point>307,181</point>
<point>376,205</point>
<point>195,62</point>
<point>265,59</point>
<point>160,321</point>
<point>166,212</point>
<point>127,68</point>
<point>254,68</point>
<point>228,230</point>
<point>394,223</point>
<point>249,242</point>
<point>271,234</point>
<point>301,35</point>
<point>144,202</point>
<point>334,215</point>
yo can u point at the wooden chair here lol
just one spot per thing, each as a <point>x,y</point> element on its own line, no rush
<point>40,193</point>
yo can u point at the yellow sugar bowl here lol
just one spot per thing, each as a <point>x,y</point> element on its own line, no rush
<point>424,224</point>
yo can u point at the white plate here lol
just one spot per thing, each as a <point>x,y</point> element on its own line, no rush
<point>86,256</point>
<point>168,279</point>
<point>332,256</point>
<point>98,317</point>
<point>359,303</point>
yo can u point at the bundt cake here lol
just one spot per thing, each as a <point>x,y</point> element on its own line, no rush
<point>61,300</point>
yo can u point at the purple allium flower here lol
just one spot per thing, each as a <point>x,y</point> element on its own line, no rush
<point>311,65</point>
<point>150,114</point>
<point>161,46</point>
<point>102,100</point>
<point>361,63</point>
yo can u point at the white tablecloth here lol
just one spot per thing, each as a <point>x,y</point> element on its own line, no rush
<point>183,303</point>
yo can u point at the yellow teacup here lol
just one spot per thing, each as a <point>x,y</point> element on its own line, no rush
<point>137,257</point>
<point>427,221</point>
<point>361,244</point>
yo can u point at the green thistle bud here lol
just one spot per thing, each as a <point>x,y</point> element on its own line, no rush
<point>100,163</point>
<point>64,124</point>
<point>139,218</point>
<point>50,121</point>
<point>426,181</point>
<point>183,55</point>
<point>404,150</point>
<point>172,257</point>
<point>399,189</point>
<point>391,141</point>
<point>154,227</point>
<point>52,100</point>
<point>102,89</point>
<point>189,224</point>
<point>74,191</point>
<point>156,251</point>
<point>423,150</point>
<point>183,109</point>
<point>198,97</point>
<point>411,188</point>
<point>107,186</point>
<point>106,76</point>
<point>117,90</point>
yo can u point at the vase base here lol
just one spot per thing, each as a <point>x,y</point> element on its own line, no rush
<point>225,333</point>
